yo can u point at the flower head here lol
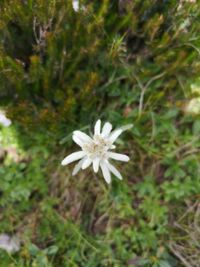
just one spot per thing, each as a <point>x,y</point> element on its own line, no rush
<point>97,150</point>
<point>10,244</point>
<point>75,4</point>
<point>4,120</point>
<point>193,107</point>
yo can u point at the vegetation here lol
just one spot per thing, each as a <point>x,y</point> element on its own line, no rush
<point>124,62</point>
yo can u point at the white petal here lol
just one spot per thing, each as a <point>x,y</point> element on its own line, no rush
<point>97,127</point>
<point>106,129</point>
<point>114,135</point>
<point>10,244</point>
<point>127,127</point>
<point>118,156</point>
<point>73,157</point>
<point>75,4</point>
<point>96,164</point>
<point>106,173</point>
<point>4,120</point>
<point>77,140</point>
<point>114,171</point>
<point>86,163</point>
<point>82,136</point>
<point>77,167</point>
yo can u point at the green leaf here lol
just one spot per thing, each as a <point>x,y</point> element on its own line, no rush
<point>164,263</point>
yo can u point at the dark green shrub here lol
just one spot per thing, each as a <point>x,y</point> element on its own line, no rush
<point>60,68</point>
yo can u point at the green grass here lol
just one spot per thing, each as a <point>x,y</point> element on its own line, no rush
<point>81,221</point>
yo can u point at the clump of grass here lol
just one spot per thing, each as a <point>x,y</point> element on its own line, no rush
<point>185,242</point>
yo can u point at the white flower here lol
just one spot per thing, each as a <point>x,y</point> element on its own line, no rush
<point>75,4</point>
<point>96,150</point>
<point>193,107</point>
<point>4,120</point>
<point>10,244</point>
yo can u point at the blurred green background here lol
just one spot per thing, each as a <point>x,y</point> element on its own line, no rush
<point>124,62</point>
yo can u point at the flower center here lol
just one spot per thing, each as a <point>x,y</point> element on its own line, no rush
<point>98,147</point>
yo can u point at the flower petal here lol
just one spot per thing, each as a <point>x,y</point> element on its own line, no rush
<point>114,171</point>
<point>114,135</point>
<point>82,136</point>
<point>75,4</point>
<point>106,129</point>
<point>73,157</point>
<point>4,120</point>
<point>86,163</point>
<point>77,167</point>
<point>97,127</point>
<point>96,164</point>
<point>106,173</point>
<point>118,156</point>
<point>77,140</point>
<point>9,244</point>
<point>126,127</point>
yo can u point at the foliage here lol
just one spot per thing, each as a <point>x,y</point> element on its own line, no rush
<point>128,62</point>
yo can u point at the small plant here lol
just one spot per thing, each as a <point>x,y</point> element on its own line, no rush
<point>96,151</point>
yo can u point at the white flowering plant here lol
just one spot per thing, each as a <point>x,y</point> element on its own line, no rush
<point>97,150</point>
<point>4,121</point>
